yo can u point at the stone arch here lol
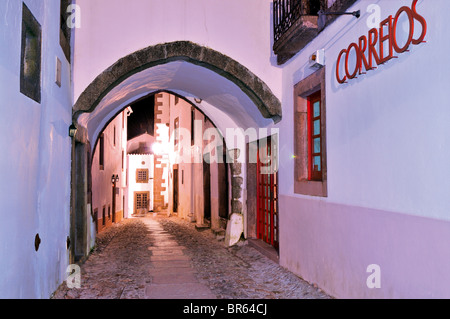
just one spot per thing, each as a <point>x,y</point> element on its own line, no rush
<point>267,103</point>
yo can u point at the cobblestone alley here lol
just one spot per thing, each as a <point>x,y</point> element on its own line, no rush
<point>168,258</point>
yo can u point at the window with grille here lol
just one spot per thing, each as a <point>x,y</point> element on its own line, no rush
<point>142,175</point>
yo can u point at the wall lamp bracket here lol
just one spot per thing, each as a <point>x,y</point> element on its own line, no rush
<point>115,179</point>
<point>322,16</point>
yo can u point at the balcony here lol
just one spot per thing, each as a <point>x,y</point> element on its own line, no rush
<point>296,23</point>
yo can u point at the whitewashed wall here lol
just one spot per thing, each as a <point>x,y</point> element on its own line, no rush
<point>35,160</point>
<point>388,145</point>
<point>101,178</point>
<point>112,29</point>
<point>135,161</point>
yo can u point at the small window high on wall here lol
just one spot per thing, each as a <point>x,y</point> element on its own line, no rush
<point>101,155</point>
<point>310,175</point>
<point>30,66</point>
<point>142,175</point>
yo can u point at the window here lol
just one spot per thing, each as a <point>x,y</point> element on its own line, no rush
<point>58,72</point>
<point>114,136</point>
<point>176,128</point>
<point>30,64</point>
<point>315,137</point>
<point>141,200</point>
<point>310,136</point>
<point>95,217</point>
<point>103,216</point>
<point>142,175</point>
<point>192,125</point>
<point>123,159</point>
<point>101,155</point>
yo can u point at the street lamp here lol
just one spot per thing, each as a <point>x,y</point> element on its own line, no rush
<point>72,130</point>
<point>114,179</point>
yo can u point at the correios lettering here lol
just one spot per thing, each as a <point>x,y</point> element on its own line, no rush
<point>379,45</point>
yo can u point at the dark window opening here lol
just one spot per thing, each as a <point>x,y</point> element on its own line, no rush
<point>101,157</point>
<point>114,136</point>
<point>313,7</point>
<point>30,68</point>
<point>192,126</point>
<point>65,31</point>
<point>176,128</point>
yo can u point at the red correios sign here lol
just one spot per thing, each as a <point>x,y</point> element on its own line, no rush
<point>372,47</point>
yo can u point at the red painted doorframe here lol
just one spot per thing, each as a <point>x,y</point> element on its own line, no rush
<point>267,194</point>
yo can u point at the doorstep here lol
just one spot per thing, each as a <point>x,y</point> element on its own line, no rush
<point>264,248</point>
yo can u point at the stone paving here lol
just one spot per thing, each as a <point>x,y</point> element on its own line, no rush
<point>158,257</point>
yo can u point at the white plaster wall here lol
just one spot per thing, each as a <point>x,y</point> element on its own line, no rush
<point>112,29</point>
<point>387,137</point>
<point>35,160</point>
<point>183,111</point>
<point>388,146</point>
<point>101,179</point>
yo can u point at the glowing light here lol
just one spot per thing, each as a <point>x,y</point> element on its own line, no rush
<point>157,148</point>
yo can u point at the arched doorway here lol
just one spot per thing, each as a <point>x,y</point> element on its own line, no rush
<point>224,90</point>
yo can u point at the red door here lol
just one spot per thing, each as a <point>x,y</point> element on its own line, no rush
<point>267,192</point>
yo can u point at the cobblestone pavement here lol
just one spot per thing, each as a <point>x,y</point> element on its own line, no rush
<point>167,257</point>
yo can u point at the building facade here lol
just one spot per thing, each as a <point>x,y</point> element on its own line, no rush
<point>109,174</point>
<point>36,103</point>
<point>140,184</point>
<point>347,113</point>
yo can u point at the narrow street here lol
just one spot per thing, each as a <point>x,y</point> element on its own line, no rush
<point>168,258</point>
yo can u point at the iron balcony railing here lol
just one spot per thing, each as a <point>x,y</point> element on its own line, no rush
<point>287,12</point>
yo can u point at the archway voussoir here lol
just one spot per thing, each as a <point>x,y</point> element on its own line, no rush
<point>238,71</point>
<point>257,90</point>
<point>185,49</point>
<point>150,55</point>
<point>84,102</point>
<point>215,59</point>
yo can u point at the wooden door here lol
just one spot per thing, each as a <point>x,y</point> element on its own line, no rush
<point>175,190</point>
<point>267,193</point>
<point>206,190</point>
<point>141,201</point>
